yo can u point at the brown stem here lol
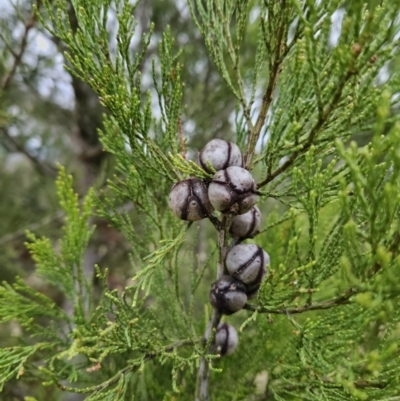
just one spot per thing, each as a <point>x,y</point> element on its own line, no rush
<point>291,310</point>
<point>372,383</point>
<point>315,130</point>
<point>357,384</point>
<point>236,68</point>
<point>40,166</point>
<point>18,55</point>
<point>268,95</point>
<point>214,220</point>
<point>203,375</point>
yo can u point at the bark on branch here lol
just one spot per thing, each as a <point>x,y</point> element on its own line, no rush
<point>203,375</point>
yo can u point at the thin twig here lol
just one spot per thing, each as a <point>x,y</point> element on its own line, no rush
<point>181,139</point>
<point>214,220</point>
<point>340,300</point>
<point>236,66</point>
<point>315,130</point>
<point>32,227</point>
<point>18,55</point>
<point>291,310</point>
<point>392,249</point>
<point>130,368</point>
<point>331,384</point>
<point>42,167</point>
<point>8,45</point>
<point>58,215</point>
<point>268,95</point>
<point>203,375</point>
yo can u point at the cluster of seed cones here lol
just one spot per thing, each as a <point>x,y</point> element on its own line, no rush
<point>232,191</point>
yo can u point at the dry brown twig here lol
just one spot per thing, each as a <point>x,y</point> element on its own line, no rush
<point>18,55</point>
<point>40,166</point>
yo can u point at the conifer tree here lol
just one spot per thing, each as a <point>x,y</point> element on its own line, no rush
<point>317,123</point>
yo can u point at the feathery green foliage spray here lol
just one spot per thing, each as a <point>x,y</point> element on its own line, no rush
<point>317,121</point>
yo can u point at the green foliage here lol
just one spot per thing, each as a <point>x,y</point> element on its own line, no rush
<point>135,334</point>
<point>326,321</point>
<point>13,360</point>
<point>65,270</point>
